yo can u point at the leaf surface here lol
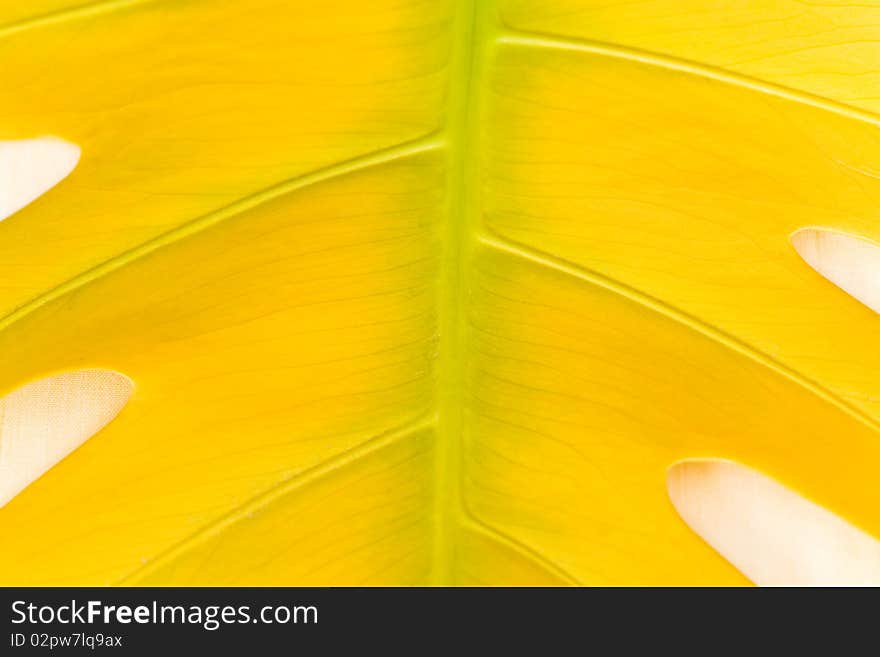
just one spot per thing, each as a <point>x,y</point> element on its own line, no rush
<point>434,291</point>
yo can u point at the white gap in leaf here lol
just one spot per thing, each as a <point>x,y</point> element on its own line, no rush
<point>31,167</point>
<point>768,532</point>
<point>851,263</point>
<point>44,421</point>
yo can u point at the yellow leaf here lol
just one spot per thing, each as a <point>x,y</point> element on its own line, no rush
<point>435,292</point>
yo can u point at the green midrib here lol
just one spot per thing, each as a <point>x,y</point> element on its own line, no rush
<point>475,34</point>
